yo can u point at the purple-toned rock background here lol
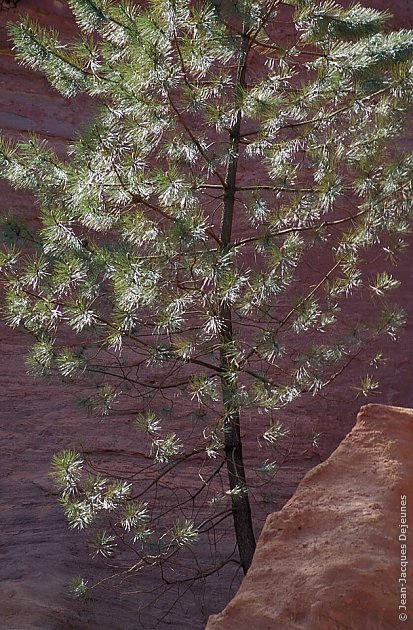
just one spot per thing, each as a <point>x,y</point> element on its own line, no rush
<point>39,418</point>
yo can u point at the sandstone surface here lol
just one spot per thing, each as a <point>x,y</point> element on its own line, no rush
<point>332,558</point>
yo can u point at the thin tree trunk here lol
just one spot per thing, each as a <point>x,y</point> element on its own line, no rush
<point>232,431</point>
<point>241,510</point>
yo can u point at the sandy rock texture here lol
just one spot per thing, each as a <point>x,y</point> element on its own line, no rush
<point>39,418</point>
<point>331,558</point>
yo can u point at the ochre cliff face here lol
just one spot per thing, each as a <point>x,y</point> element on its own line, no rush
<point>334,557</point>
<point>38,418</point>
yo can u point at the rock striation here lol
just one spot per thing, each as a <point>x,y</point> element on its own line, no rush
<point>334,558</point>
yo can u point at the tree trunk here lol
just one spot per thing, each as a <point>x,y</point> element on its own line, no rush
<point>232,431</point>
<point>241,510</point>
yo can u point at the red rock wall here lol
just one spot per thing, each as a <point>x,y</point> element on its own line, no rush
<point>38,418</point>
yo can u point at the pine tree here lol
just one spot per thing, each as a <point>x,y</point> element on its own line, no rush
<point>223,158</point>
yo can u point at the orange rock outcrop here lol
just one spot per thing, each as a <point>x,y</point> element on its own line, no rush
<point>334,558</point>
